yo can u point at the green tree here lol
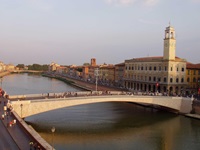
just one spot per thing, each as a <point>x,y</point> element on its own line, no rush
<point>20,66</point>
<point>38,67</point>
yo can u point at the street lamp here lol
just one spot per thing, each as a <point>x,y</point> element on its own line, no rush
<point>53,129</point>
<point>96,73</point>
<point>21,109</point>
<point>5,113</point>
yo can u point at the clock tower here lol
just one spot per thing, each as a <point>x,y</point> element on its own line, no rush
<point>169,52</point>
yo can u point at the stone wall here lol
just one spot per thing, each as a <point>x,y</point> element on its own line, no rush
<point>196,107</point>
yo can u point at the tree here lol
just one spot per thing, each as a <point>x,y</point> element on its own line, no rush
<point>38,67</point>
<point>79,69</point>
<point>86,64</point>
<point>20,66</point>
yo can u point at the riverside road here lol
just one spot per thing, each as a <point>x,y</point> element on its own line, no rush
<point>6,142</point>
<point>15,137</point>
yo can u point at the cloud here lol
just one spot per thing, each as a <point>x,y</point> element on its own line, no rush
<point>132,2</point>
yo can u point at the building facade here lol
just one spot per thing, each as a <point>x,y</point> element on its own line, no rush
<point>53,66</point>
<point>165,74</point>
<point>119,74</point>
<point>107,74</point>
<point>193,78</point>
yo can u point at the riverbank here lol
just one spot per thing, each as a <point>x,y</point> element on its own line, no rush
<point>82,84</point>
<point>194,116</point>
<point>2,74</point>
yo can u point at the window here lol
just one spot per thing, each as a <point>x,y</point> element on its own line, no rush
<point>176,80</point>
<point>165,68</point>
<point>142,68</point>
<point>188,72</point>
<point>188,79</point>
<point>194,72</point>
<point>149,78</point>
<point>183,69</point>
<point>154,79</point>
<point>160,68</point>
<point>171,68</point>
<point>171,80</point>
<point>165,79</point>
<point>154,68</point>
<point>177,69</point>
<point>132,68</point>
<point>150,68</point>
<point>194,79</point>
<point>182,80</point>
<point>159,79</point>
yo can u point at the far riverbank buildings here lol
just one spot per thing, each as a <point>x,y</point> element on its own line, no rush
<point>163,73</point>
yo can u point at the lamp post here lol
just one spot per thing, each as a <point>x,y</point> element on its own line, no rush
<point>21,109</point>
<point>5,113</point>
<point>96,73</point>
<point>53,129</point>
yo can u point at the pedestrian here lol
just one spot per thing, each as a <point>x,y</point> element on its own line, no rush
<point>35,146</point>
<point>2,117</point>
<point>31,145</point>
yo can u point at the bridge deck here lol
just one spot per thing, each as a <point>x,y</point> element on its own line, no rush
<point>28,107</point>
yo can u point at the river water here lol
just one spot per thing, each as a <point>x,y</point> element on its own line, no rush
<point>105,126</point>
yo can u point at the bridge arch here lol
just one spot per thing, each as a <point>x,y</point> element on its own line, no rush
<point>31,107</point>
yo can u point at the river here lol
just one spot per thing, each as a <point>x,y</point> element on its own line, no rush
<point>105,126</point>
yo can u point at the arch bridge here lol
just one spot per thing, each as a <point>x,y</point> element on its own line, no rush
<point>26,108</point>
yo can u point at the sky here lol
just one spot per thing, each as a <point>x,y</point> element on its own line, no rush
<point>74,31</point>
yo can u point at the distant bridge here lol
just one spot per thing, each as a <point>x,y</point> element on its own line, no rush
<point>26,108</point>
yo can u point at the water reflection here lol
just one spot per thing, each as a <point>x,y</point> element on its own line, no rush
<point>114,126</point>
<point>18,84</point>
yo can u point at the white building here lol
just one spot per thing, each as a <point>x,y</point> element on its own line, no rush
<point>160,73</point>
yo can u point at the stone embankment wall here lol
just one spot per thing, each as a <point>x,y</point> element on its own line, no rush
<point>196,107</point>
<point>4,73</point>
<point>31,132</point>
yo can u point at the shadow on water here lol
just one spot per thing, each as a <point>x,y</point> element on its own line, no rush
<point>98,118</point>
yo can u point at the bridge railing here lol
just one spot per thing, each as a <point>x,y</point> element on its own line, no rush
<point>65,94</point>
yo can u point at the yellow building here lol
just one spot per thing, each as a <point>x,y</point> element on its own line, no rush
<point>107,74</point>
<point>165,74</point>
<point>193,78</point>
<point>53,66</point>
